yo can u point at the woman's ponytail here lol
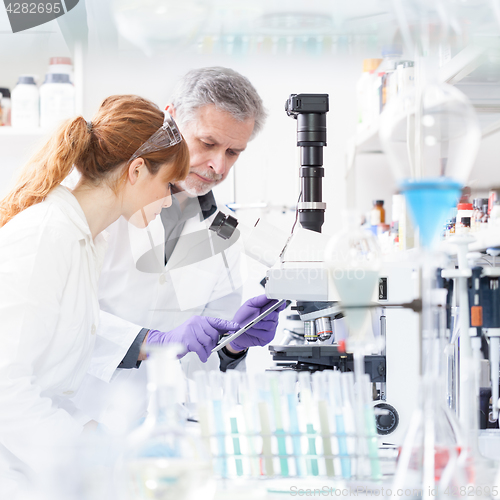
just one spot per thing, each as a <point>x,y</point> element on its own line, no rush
<point>47,168</point>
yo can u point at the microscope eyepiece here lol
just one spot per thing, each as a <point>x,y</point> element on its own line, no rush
<point>224,225</point>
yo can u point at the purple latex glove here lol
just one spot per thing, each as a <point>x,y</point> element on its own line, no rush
<point>263,332</point>
<point>198,334</point>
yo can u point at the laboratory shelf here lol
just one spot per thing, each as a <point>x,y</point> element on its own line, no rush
<point>479,242</point>
<point>488,239</point>
<point>459,67</point>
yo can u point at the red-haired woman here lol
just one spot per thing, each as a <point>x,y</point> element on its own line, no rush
<point>51,249</point>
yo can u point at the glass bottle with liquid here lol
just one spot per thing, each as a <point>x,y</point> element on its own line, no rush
<point>377,213</point>
<point>163,459</point>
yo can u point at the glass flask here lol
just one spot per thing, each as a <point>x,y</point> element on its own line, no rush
<point>144,22</point>
<point>353,260</point>
<point>164,459</point>
<point>431,136</point>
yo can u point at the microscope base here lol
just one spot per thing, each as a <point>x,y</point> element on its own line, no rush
<point>322,357</point>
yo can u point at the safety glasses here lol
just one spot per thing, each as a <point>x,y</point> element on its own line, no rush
<point>167,135</point>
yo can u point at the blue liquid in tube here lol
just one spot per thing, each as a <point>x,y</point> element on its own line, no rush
<point>429,201</point>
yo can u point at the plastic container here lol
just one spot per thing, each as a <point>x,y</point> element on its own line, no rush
<point>5,105</point>
<point>363,90</point>
<point>25,104</point>
<point>391,55</point>
<point>61,65</point>
<point>57,100</point>
<point>494,220</point>
<point>377,213</point>
<point>477,213</point>
<point>465,214</point>
<point>483,223</point>
<point>405,76</point>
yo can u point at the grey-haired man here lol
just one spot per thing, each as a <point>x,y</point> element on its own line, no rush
<point>175,269</point>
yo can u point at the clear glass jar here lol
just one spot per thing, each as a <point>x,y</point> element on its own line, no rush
<point>163,460</point>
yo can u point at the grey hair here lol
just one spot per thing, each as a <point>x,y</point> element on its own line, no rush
<point>225,88</point>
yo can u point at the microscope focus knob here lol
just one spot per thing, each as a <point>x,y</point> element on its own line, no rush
<point>388,421</point>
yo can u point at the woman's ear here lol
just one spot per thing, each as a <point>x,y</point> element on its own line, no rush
<point>170,108</point>
<point>135,169</point>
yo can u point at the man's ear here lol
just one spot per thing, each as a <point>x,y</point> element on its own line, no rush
<point>171,109</point>
<point>134,170</point>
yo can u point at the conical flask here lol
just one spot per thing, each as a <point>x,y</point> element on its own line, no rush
<point>164,460</point>
<point>352,258</point>
<point>434,460</point>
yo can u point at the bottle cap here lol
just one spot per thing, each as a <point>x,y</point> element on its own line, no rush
<point>26,80</point>
<point>464,206</point>
<point>60,60</point>
<point>5,92</point>
<point>378,202</point>
<point>371,64</point>
<point>394,49</point>
<point>57,78</point>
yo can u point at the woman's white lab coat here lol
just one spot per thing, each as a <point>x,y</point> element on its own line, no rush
<point>161,299</point>
<point>49,312</point>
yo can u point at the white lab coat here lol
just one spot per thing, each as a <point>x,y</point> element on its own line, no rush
<point>162,299</point>
<point>49,313</point>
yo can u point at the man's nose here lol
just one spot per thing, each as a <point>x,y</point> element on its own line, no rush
<point>218,163</point>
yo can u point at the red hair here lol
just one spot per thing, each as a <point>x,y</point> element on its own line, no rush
<point>122,124</point>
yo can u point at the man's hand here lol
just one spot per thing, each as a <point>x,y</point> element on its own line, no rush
<point>263,332</point>
<point>198,334</point>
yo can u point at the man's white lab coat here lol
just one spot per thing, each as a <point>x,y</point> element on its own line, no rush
<point>49,313</point>
<point>137,290</point>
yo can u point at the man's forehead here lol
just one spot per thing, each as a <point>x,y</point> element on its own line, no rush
<point>220,126</point>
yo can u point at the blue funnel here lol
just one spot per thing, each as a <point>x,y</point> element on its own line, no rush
<point>429,201</point>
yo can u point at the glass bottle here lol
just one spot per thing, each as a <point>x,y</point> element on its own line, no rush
<point>163,460</point>
<point>377,213</point>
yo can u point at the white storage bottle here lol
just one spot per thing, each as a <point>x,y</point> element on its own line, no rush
<point>61,65</point>
<point>57,100</point>
<point>25,104</point>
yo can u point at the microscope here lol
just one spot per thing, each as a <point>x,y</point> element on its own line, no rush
<point>301,276</point>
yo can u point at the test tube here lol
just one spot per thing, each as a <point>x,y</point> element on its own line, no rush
<point>289,387</point>
<point>216,384</point>
<point>307,405</point>
<point>232,379</point>
<point>320,397</point>
<point>370,429</point>
<point>200,378</point>
<point>278,424</point>
<point>265,424</point>
<point>347,384</point>
<point>335,393</point>
<point>247,391</point>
